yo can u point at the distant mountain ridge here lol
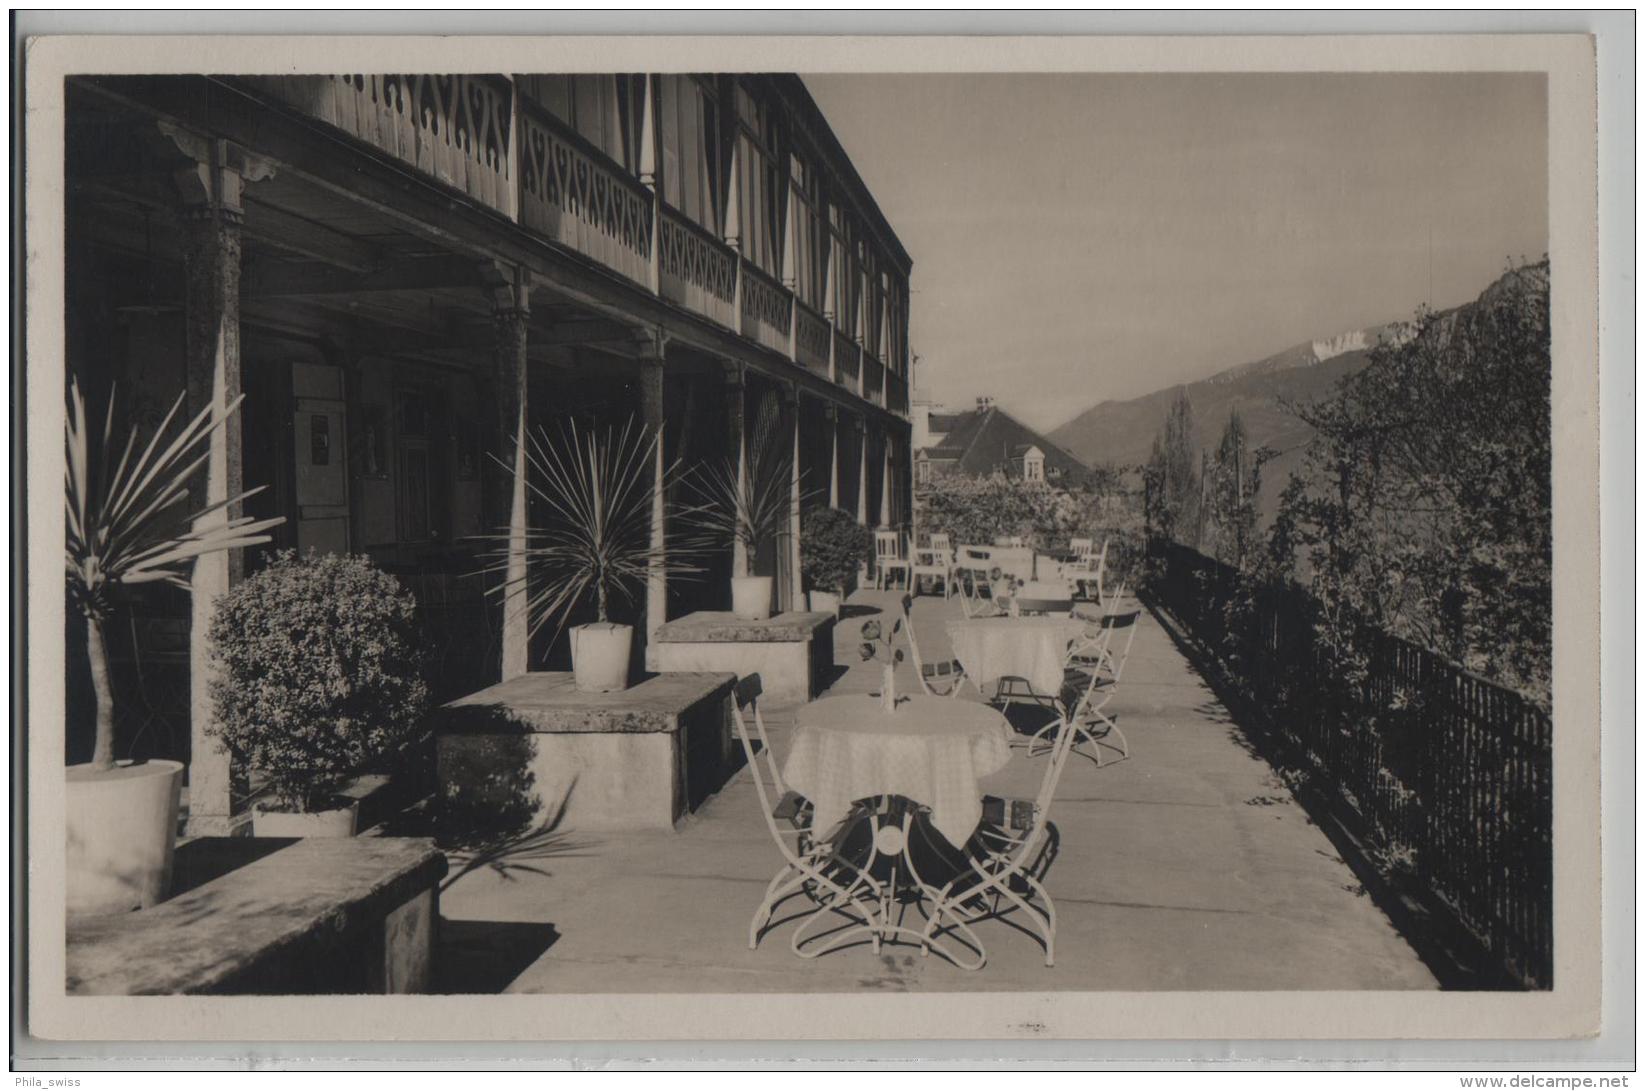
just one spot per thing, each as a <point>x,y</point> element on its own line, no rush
<point>1121,433</point>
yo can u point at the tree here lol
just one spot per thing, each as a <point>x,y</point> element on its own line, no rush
<point>1234,474</point>
<point>1171,480</point>
<point>1424,506</point>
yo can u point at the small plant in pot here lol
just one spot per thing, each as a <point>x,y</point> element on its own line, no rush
<point>750,506</point>
<point>591,543</point>
<point>319,676</point>
<point>129,522</point>
<point>833,545</point>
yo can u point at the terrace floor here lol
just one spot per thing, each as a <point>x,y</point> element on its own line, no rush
<point>1187,866</point>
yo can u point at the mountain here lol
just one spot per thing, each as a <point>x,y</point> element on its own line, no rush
<point>1121,433</point>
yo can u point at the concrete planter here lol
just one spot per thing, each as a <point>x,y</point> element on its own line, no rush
<point>599,656</point>
<point>751,597</point>
<point>336,822</point>
<point>825,602</point>
<point>121,828</point>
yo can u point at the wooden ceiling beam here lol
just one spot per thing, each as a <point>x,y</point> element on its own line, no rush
<point>282,230</point>
<point>266,280</point>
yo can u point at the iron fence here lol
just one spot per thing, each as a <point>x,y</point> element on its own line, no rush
<point>1447,775</point>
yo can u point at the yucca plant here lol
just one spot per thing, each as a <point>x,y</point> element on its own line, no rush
<point>128,523</point>
<point>753,507</point>
<point>592,538</point>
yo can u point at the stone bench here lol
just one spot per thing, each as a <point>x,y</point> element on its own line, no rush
<point>535,751</point>
<point>273,917</point>
<point>793,653</point>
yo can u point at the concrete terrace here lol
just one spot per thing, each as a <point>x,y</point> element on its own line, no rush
<point>1188,866</point>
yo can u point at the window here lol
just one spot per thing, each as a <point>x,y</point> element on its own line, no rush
<point>606,111</point>
<point>873,302</point>
<point>764,192</point>
<point>847,273</point>
<point>896,323</point>
<point>1033,465</point>
<point>812,235</point>
<point>923,469</point>
<point>693,177</point>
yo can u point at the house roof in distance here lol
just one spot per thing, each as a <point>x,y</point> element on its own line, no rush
<point>980,441</point>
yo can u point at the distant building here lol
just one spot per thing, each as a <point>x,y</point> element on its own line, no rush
<point>987,440</point>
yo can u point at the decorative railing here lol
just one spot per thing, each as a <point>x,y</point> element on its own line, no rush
<point>896,392</point>
<point>768,309</point>
<point>696,270</point>
<point>873,379</point>
<point>1444,776</point>
<point>847,361</point>
<point>572,193</point>
<point>455,128</point>
<point>812,337</point>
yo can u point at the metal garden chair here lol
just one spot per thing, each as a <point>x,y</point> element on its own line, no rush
<point>936,560</point>
<point>812,864</point>
<point>1092,722</point>
<point>942,678</point>
<point>1006,861</point>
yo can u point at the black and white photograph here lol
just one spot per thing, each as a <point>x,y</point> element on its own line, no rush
<point>553,534</point>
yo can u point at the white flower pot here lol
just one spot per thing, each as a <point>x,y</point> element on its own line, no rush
<point>751,597</point>
<point>825,602</point>
<point>335,822</point>
<point>121,828</point>
<point>599,656</point>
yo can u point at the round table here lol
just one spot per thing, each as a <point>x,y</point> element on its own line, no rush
<point>931,750</point>
<point>1031,648</point>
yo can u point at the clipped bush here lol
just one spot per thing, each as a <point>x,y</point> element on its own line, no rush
<point>319,673</point>
<point>833,545</point>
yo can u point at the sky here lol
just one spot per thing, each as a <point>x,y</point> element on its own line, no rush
<point>1082,237</point>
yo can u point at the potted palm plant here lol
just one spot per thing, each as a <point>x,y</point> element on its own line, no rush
<point>319,676</point>
<point>592,545</point>
<point>751,507</point>
<point>129,523</point>
<point>832,547</point>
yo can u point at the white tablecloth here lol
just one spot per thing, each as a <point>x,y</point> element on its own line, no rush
<point>931,750</point>
<point>1035,648</point>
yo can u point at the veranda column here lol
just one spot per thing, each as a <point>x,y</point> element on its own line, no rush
<point>885,482</point>
<point>861,424</point>
<point>735,407</point>
<point>506,503</point>
<point>212,218</point>
<point>652,349</point>
<point>831,415</point>
<point>796,580</point>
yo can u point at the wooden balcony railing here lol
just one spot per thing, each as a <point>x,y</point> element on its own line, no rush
<point>696,270</point>
<point>847,361</point>
<point>873,379</point>
<point>455,128</point>
<point>767,309</point>
<point>478,135</point>
<point>812,336</point>
<point>572,193</point>
<point>896,392</point>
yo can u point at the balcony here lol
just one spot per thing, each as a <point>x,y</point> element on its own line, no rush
<point>696,270</point>
<point>480,136</point>
<point>454,128</point>
<point>873,379</point>
<point>812,338</point>
<point>847,361</point>
<point>574,195</point>
<point>896,393</point>
<point>768,309</point>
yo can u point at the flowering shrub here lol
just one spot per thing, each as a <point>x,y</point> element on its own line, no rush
<point>832,546</point>
<point>318,673</point>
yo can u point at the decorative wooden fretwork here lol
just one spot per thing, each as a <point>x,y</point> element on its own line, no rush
<point>695,269</point>
<point>453,127</point>
<point>873,379</point>
<point>576,196</point>
<point>767,309</point>
<point>847,360</point>
<point>811,339</point>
